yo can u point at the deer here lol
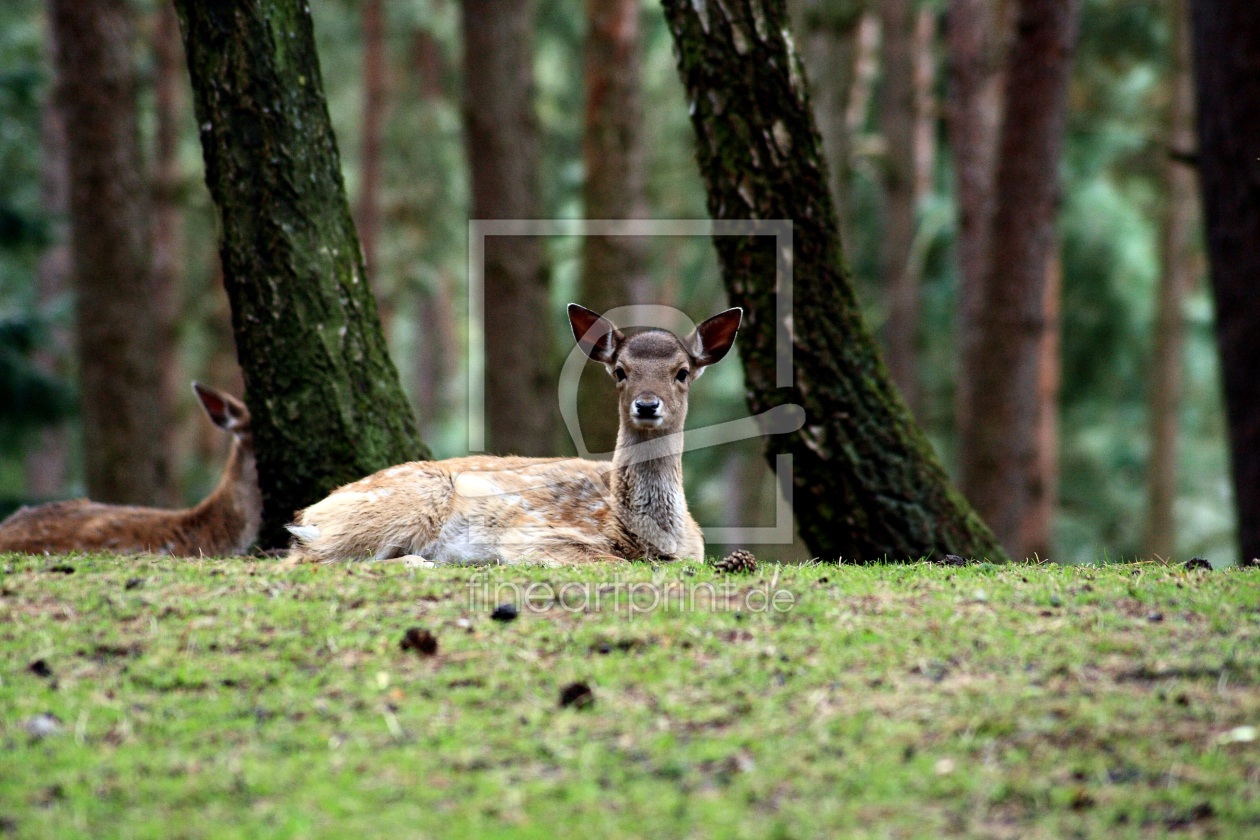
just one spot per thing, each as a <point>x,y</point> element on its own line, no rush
<point>226,522</point>
<point>554,511</point>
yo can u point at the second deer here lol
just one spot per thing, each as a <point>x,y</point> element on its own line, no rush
<point>226,522</point>
<point>484,509</point>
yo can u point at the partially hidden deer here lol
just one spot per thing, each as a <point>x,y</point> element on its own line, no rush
<point>555,511</point>
<point>226,522</point>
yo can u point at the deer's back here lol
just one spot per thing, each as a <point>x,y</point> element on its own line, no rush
<point>468,510</point>
<point>82,525</point>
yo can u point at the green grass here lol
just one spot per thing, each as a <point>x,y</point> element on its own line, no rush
<point>234,698</point>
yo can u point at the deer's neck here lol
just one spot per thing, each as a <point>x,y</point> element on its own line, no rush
<point>232,514</point>
<point>648,487</point>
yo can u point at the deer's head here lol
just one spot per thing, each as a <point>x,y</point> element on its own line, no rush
<point>226,412</point>
<point>653,368</point>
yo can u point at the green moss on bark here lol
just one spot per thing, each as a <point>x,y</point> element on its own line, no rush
<point>325,398</point>
<point>867,485</point>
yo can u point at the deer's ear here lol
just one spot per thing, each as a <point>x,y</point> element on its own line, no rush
<point>224,410</point>
<point>595,334</point>
<point>713,339</point>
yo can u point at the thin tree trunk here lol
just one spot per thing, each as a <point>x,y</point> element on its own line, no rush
<point>168,245</point>
<point>1227,74</point>
<point>504,159</point>
<point>47,461</point>
<point>976,39</point>
<point>865,68</point>
<point>368,215</point>
<point>438,337</point>
<point>866,484</point>
<point>436,348</point>
<point>897,118</point>
<point>614,271</point>
<point>1002,370</point>
<point>925,111</point>
<point>116,306</point>
<point>1043,480</point>
<point>829,49</point>
<point>326,404</point>
<point>1176,276</point>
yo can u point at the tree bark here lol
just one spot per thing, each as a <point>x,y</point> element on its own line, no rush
<point>116,314</point>
<point>373,124</point>
<point>47,460</point>
<point>614,271</point>
<point>829,48</point>
<point>897,118</point>
<point>1037,533</point>
<point>168,246</point>
<point>999,467</point>
<point>504,159</point>
<point>1176,277</point>
<point>867,486</point>
<point>976,41</point>
<point>326,404</point>
<point>925,110</point>
<point>1227,72</point>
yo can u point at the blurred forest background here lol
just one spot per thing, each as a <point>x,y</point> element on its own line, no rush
<point>881,83</point>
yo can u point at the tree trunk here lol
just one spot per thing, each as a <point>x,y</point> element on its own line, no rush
<point>1176,277</point>
<point>374,90</point>
<point>614,271</point>
<point>168,245</point>
<point>437,346</point>
<point>1037,536</point>
<point>1227,73</point>
<point>976,39</point>
<point>326,404</point>
<point>116,306</point>
<point>897,118</point>
<point>867,485</point>
<point>999,468</point>
<point>829,48</point>
<point>47,461</point>
<point>504,159</point>
<point>925,111</point>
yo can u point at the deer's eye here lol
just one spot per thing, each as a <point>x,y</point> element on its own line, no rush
<point>681,376</point>
<point>620,374</point>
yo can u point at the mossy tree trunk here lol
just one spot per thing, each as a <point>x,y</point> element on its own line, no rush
<point>867,485</point>
<point>326,403</point>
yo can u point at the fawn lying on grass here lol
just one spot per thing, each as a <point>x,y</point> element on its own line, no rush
<point>225,523</point>
<point>554,510</point>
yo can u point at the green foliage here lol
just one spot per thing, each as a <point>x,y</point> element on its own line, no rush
<point>226,699</point>
<point>23,222</point>
<point>1112,206</point>
<point>1112,209</point>
<point>29,398</point>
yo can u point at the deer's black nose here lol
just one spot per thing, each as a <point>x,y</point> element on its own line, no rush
<point>647,407</point>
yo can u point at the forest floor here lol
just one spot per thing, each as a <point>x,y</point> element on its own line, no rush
<point>160,698</point>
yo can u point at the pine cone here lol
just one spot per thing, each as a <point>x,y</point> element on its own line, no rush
<point>736,563</point>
